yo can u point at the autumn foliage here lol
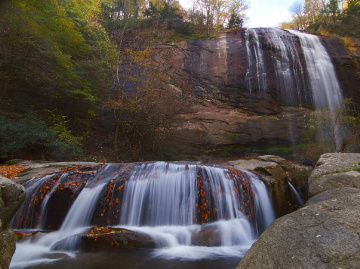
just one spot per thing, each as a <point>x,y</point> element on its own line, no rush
<point>11,171</point>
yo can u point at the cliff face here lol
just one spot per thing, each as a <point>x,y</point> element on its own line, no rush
<point>250,91</point>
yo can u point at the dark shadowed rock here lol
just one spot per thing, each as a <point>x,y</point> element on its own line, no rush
<point>321,235</point>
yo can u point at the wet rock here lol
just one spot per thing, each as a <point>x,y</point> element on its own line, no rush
<point>105,239</point>
<point>322,235</point>
<point>208,236</point>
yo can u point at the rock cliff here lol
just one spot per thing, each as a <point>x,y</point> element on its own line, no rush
<point>233,111</point>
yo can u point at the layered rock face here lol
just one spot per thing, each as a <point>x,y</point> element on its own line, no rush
<point>324,233</point>
<point>250,90</point>
<point>11,197</point>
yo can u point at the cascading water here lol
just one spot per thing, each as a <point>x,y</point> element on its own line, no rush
<point>325,87</point>
<point>190,211</point>
<point>296,195</point>
<point>284,62</point>
<point>297,68</point>
<point>256,65</point>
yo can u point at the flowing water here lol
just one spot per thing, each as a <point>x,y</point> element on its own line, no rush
<point>303,71</point>
<point>175,204</point>
<point>296,195</point>
<point>325,87</point>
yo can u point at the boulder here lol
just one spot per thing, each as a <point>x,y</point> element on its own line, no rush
<point>7,247</point>
<point>276,172</point>
<point>105,239</point>
<point>333,194</point>
<point>324,234</point>
<point>208,236</point>
<point>333,181</point>
<point>335,170</point>
<point>11,197</point>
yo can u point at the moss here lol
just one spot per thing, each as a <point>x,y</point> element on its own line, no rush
<point>232,136</point>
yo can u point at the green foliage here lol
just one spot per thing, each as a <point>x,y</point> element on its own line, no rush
<point>54,51</point>
<point>235,21</point>
<point>62,129</point>
<point>31,138</point>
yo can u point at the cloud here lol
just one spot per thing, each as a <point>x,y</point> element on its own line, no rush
<point>268,14</point>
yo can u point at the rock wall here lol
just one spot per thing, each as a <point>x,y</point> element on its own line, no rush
<point>11,197</point>
<point>226,117</point>
<point>324,233</point>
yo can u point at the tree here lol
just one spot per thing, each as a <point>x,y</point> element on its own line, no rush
<point>236,11</point>
<point>143,108</point>
<point>297,12</point>
<point>235,21</point>
<point>53,55</point>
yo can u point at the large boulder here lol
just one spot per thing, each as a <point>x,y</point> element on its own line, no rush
<point>335,170</point>
<point>11,197</point>
<point>324,234</point>
<point>276,172</point>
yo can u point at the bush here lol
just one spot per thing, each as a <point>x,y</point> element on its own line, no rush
<point>31,138</point>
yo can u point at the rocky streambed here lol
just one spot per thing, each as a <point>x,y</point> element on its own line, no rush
<point>322,234</point>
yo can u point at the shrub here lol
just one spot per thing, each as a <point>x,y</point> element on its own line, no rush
<point>31,138</point>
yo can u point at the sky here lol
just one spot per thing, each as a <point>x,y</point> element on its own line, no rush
<point>263,13</point>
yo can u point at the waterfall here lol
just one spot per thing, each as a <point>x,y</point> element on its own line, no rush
<point>296,194</point>
<point>323,80</point>
<point>325,87</point>
<point>256,64</point>
<point>174,203</point>
<point>296,68</point>
<point>282,60</point>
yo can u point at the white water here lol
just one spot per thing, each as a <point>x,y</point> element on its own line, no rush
<point>159,200</point>
<point>323,80</point>
<point>82,210</point>
<point>296,194</point>
<point>264,206</point>
<point>259,62</point>
<point>325,87</point>
<point>160,194</point>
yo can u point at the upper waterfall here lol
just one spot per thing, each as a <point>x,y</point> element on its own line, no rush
<point>304,71</point>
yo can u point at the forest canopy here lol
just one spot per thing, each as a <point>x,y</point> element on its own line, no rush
<point>71,71</point>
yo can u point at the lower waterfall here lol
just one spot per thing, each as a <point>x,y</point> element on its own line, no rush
<point>190,211</point>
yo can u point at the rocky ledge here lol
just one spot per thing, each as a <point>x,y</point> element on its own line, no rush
<point>324,233</point>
